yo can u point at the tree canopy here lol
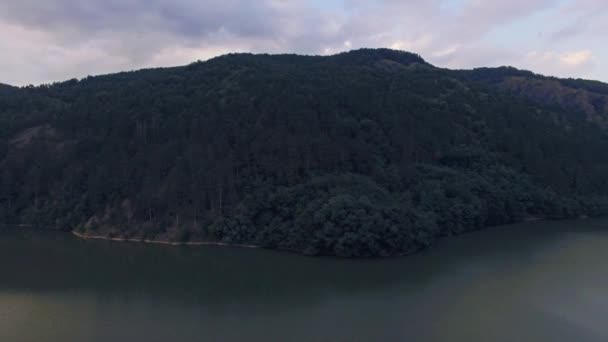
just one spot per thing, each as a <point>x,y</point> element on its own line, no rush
<point>365,153</point>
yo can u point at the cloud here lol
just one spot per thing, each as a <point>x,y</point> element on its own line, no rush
<point>582,17</point>
<point>59,39</point>
<point>415,44</point>
<point>569,59</point>
<point>576,58</point>
<point>577,63</point>
<point>481,16</point>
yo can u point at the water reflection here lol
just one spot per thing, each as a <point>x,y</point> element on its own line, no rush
<point>543,281</point>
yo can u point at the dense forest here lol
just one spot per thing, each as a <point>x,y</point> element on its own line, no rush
<point>367,153</point>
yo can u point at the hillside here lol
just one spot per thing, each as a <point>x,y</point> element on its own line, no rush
<point>365,153</point>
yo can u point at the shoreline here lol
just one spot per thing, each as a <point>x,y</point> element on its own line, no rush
<point>533,220</point>
<point>161,242</point>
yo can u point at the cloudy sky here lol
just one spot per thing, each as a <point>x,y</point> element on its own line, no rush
<point>52,40</point>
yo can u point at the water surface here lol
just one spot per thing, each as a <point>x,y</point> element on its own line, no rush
<point>531,282</point>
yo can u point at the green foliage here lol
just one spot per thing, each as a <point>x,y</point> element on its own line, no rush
<point>366,153</point>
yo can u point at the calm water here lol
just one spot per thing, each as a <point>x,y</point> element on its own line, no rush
<point>531,282</point>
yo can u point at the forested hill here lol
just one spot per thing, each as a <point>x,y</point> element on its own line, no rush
<point>6,89</point>
<point>365,153</point>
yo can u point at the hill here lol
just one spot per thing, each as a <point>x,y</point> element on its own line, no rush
<point>365,153</point>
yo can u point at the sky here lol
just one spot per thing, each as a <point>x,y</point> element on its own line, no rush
<point>55,40</point>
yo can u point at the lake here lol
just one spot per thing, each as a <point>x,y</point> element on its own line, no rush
<point>544,281</point>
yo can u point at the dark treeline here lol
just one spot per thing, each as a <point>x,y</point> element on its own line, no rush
<point>367,153</point>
